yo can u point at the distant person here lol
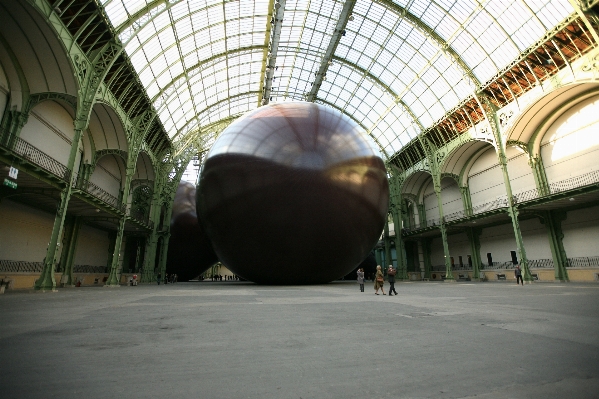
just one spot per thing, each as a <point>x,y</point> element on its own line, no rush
<point>360,279</point>
<point>158,278</point>
<point>391,279</point>
<point>518,274</point>
<point>165,278</point>
<point>379,281</point>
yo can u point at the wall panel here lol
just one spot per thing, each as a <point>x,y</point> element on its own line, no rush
<point>24,232</point>
<point>581,232</point>
<point>92,247</point>
<point>570,147</point>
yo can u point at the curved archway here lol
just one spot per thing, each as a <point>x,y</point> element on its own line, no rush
<point>45,62</point>
<point>106,132</point>
<point>529,125</point>
<point>458,160</point>
<point>144,168</point>
<point>109,174</point>
<point>51,129</point>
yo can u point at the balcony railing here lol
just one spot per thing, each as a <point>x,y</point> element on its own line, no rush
<point>103,195</point>
<point>591,261</point>
<point>570,183</point>
<point>41,159</point>
<point>142,217</point>
<point>89,269</point>
<point>18,266</point>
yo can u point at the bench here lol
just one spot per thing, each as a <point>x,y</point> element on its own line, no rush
<point>5,283</point>
<point>501,276</point>
<point>535,276</point>
<point>464,277</point>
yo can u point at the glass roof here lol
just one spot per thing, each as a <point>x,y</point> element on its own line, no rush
<point>397,67</point>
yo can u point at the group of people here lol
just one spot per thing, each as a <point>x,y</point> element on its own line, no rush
<point>218,277</point>
<point>379,280</point>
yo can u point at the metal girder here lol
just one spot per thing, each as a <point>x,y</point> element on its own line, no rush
<point>247,93</point>
<point>430,33</point>
<point>578,7</point>
<point>357,122</point>
<point>271,57</point>
<point>338,33</point>
<point>193,137</point>
<point>179,77</point>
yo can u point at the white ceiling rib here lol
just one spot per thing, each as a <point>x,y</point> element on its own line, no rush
<point>406,63</point>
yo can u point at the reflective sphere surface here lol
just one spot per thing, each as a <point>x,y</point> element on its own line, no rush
<point>293,193</point>
<point>189,249</point>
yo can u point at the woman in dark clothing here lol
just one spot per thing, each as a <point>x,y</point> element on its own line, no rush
<point>379,280</point>
<point>360,279</point>
<point>391,279</point>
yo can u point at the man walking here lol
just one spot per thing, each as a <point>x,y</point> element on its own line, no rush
<point>391,279</point>
<point>518,274</point>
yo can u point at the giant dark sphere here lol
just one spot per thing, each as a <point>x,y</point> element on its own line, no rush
<point>293,193</point>
<point>189,248</point>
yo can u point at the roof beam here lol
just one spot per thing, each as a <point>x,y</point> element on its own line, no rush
<point>200,64</point>
<point>271,57</point>
<point>144,16</point>
<point>339,32</point>
<point>434,36</point>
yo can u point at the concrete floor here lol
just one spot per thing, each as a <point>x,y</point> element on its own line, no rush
<point>239,340</point>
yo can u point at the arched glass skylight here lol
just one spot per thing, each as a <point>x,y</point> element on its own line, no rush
<point>398,67</point>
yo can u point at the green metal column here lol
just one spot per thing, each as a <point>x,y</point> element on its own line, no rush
<point>90,74</point>
<point>12,123</point>
<point>400,249</point>
<point>426,254</point>
<point>150,266</point>
<point>164,252</point>
<point>397,208</point>
<point>538,172</point>
<point>466,200</point>
<point>47,282</point>
<point>378,255</point>
<point>474,238</point>
<point>553,224</point>
<point>114,274</point>
<point>422,215</point>
<point>111,242</point>
<point>491,114</point>
<point>442,227</point>
<point>387,241</point>
<point>166,235</point>
<point>69,249</point>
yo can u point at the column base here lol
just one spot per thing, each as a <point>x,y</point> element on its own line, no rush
<point>450,280</point>
<point>46,290</point>
<point>112,286</point>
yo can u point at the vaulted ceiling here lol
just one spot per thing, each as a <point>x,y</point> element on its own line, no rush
<point>399,68</point>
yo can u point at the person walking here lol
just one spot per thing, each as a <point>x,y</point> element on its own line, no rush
<point>158,278</point>
<point>391,279</point>
<point>518,274</point>
<point>360,279</point>
<point>379,281</point>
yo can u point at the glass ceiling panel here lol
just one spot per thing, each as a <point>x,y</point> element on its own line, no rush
<point>489,35</point>
<point>203,60</point>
